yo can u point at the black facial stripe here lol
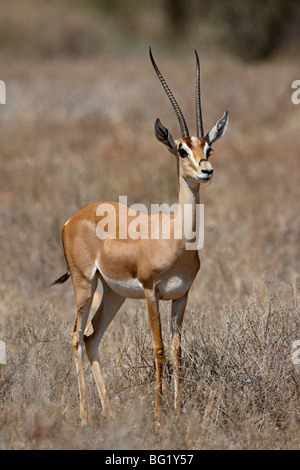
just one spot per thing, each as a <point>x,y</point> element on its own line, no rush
<point>208,152</point>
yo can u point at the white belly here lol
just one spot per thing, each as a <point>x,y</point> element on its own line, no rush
<point>131,289</point>
<point>173,288</point>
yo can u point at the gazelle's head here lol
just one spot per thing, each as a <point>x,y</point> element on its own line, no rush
<point>192,152</point>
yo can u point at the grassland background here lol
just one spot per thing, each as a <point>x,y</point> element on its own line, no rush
<point>78,127</point>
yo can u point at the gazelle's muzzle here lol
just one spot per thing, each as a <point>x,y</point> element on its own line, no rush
<point>206,170</point>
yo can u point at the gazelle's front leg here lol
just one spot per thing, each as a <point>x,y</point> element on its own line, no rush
<point>154,319</point>
<point>178,309</point>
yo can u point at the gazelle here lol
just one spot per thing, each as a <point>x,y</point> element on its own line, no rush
<point>139,268</point>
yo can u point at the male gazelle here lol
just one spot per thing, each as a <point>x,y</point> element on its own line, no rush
<point>154,268</point>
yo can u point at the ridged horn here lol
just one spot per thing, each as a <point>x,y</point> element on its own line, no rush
<point>181,120</point>
<point>200,132</point>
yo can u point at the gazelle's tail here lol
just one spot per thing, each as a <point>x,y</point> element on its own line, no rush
<point>61,279</point>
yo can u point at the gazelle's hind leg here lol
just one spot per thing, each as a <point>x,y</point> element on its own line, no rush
<point>84,296</point>
<point>110,304</point>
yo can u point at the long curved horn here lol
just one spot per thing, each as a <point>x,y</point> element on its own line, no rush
<point>200,132</point>
<point>182,123</point>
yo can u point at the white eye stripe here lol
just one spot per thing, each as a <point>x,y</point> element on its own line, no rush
<point>194,162</point>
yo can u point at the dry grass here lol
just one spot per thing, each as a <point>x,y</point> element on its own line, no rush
<point>76,131</point>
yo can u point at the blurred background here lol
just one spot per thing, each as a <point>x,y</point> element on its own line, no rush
<point>250,30</point>
<point>77,127</point>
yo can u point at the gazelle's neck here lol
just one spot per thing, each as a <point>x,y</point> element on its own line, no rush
<point>188,199</point>
<point>188,193</point>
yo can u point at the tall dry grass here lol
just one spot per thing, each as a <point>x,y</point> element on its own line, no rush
<point>75,131</point>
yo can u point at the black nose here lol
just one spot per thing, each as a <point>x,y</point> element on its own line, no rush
<point>208,172</point>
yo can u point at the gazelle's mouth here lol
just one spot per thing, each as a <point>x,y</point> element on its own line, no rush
<point>204,177</point>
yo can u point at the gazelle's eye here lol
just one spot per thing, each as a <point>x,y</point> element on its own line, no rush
<point>183,153</point>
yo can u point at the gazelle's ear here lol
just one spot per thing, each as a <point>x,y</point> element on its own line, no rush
<point>164,135</point>
<point>218,130</point>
